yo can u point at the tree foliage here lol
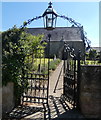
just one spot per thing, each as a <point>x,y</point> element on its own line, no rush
<point>92,54</point>
<point>100,57</point>
<point>16,45</point>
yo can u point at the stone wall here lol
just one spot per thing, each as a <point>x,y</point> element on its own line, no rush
<point>7,98</point>
<point>56,48</point>
<point>90,91</point>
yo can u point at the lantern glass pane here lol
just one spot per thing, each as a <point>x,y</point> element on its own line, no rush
<point>49,20</point>
<point>44,19</point>
<point>54,21</point>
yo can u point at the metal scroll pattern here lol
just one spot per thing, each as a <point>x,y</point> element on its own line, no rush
<point>71,77</point>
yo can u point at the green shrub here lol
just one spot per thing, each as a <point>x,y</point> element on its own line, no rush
<point>53,64</point>
<point>16,46</point>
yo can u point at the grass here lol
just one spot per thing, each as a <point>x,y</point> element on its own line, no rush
<point>53,64</point>
<point>42,62</point>
<point>41,65</point>
<point>90,62</point>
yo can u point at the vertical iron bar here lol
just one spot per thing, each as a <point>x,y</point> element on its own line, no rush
<point>64,79</point>
<point>49,36</point>
<point>64,67</point>
<point>39,93</point>
<point>54,91</point>
<point>45,68</point>
<point>23,74</point>
<point>23,84</point>
<point>74,82</point>
<point>31,87</point>
<point>43,88</point>
<point>78,81</point>
<point>43,76</point>
<point>35,87</point>
<point>39,79</point>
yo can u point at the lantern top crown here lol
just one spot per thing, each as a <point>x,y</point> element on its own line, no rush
<point>49,10</point>
<point>50,5</point>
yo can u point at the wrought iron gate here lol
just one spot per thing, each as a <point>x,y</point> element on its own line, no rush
<point>71,75</point>
<point>37,78</point>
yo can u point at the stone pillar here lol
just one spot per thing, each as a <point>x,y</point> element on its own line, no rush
<point>7,98</point>
<point>90,91</point>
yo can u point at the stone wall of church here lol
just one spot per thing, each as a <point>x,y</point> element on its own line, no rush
<point>56,48</point>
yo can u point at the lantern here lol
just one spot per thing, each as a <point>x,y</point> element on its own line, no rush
<point>49,17</point>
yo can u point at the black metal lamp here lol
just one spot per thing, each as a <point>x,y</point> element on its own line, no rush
<point>49,17</point>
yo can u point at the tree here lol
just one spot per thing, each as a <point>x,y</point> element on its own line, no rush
<point>100,57</point>
<point>92,54</point>
<point>16,45</point>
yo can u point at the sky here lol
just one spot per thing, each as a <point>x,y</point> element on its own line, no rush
<point>85,13</point>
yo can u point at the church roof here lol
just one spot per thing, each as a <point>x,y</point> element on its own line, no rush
<point>59,33</point>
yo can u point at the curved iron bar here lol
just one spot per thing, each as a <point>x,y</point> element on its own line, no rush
<point>72,21</point>
<point>29,21</point>
<point>79,26</point>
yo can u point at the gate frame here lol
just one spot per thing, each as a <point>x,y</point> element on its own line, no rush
<point>70,52</point>
<point>23,77</point>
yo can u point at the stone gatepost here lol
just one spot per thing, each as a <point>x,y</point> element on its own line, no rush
<point>7,98</point>
<point>90,91</point>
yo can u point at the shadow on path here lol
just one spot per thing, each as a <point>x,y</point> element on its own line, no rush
<point>57,109</point>
<point>22,112</point>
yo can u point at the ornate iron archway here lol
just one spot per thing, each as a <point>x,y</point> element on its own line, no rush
<point>39,83</point>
